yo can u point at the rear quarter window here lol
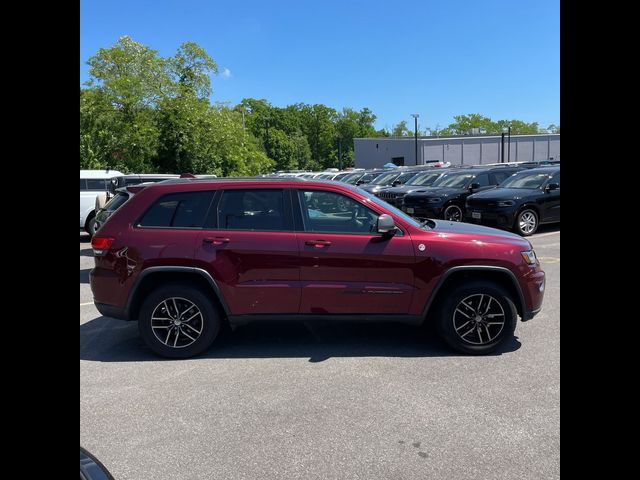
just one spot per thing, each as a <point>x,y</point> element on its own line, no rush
<point>178,210</point>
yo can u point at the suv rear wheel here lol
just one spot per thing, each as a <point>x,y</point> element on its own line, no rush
<point>477,317</point>
<point>178,321</point>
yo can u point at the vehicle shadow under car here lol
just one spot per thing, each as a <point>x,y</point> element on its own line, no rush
<point>107,340</point>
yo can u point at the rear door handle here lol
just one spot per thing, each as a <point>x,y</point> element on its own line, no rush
<point>215,240</point>
<point>317,243</point>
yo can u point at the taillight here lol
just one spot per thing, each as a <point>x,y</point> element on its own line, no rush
<point>101,245</point>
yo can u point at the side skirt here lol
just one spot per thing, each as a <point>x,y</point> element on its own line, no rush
<point>238,320</point>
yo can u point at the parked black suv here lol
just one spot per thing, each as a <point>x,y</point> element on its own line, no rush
<point>446,197</point>
<point>394,195</point>
<point>522,202</point>
<point>362,176</point>
<point>394,178</point>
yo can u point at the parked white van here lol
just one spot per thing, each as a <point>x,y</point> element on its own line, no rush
<point>92,183</point>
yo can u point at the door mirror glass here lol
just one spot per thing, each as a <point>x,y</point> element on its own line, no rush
<point>473,186</point>
<point>552,186</point>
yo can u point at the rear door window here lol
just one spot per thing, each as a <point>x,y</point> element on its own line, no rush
<point>254,209</point>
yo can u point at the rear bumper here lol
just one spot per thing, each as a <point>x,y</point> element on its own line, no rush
<point>106,288</point>
<point>112,311</point>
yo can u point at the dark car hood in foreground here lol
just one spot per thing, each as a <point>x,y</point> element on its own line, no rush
<point>372,188</point>
<point>506,194</point>
<point>437,192</point>
<point>403,189</point>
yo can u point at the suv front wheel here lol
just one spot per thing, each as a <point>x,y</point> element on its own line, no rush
<point>178,321</point>
<point>477,317</point>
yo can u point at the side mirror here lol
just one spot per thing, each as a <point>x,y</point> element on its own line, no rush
<point>552,186</point>
<point>386,225</point>
<point>359,182</point>
<point>473,186</point>
<point>396,183</point>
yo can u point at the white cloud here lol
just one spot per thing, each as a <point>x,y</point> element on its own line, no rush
<point>226,73</point>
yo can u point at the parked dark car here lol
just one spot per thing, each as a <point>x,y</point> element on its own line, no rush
<point>446,197</point>
<point>393,178</point>
<point>362,177</point>
<point>394,195</point>
<point>522,202</point>
<point>183,256</point>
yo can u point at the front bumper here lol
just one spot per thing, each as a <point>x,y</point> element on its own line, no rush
<point>532,284</point>
<point>499,218</point>
<point>423,211</point>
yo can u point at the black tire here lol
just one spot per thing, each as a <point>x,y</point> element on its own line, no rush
<point>465,338</point>
<point>91,226</point>
<point>527,222</point>
<point>208,322</point>
<point>452,213</point>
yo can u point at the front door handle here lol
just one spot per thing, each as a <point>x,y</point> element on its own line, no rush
<point>215,240</point>
<point>317,243</point>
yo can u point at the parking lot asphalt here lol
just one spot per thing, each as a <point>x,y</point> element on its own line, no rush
<point>311,401</point>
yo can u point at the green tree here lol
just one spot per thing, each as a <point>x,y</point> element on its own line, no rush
<point>400,129</point>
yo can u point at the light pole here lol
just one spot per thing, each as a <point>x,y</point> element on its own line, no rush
<point>509,146</point>
<point>415,118</point>
<point>266,122</point>
<point>339,138</point>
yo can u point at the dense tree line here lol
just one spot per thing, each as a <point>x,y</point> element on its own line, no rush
<point>140,112</point>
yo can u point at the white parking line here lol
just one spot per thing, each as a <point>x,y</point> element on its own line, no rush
<point>88,303</point>
<point>545,234</point>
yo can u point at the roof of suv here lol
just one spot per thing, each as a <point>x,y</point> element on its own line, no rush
<point>552,169</point>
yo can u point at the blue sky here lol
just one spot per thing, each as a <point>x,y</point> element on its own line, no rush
<point>441,58</point>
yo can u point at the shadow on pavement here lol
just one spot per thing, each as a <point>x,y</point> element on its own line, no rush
<point>550,227</point>
<point>107,340</point>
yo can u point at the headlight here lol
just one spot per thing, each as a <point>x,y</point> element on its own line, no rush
<point>529,257</point>
<point>434,200</point>
<point>506,203</point>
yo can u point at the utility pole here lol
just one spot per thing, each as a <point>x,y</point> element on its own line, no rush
<point>509,146</point>
<point>339,152</point>
<point>502,159</point>
<point>415,118</point>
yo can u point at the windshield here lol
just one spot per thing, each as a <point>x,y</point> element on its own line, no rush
<point>531,180</point>
<point>424,178</point>
<point>405,177</point>
<point>116,201</point>
<point>352,178</point>
<point>385,178</point>
<point>391,208</point>
<point>454,180</point>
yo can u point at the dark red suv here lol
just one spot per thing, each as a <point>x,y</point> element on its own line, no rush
<point>183,256</point>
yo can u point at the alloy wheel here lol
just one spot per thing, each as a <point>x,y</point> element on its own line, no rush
<point>177,322</point>
<point>528,222</point>
<point>453,213</point>
<point>478,319</point>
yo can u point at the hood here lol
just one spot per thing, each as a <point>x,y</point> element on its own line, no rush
<point>437,192</point>
<point>402,189</point>
<point>506,194</point>
<point>372,188</point>
<point>488,234</point>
